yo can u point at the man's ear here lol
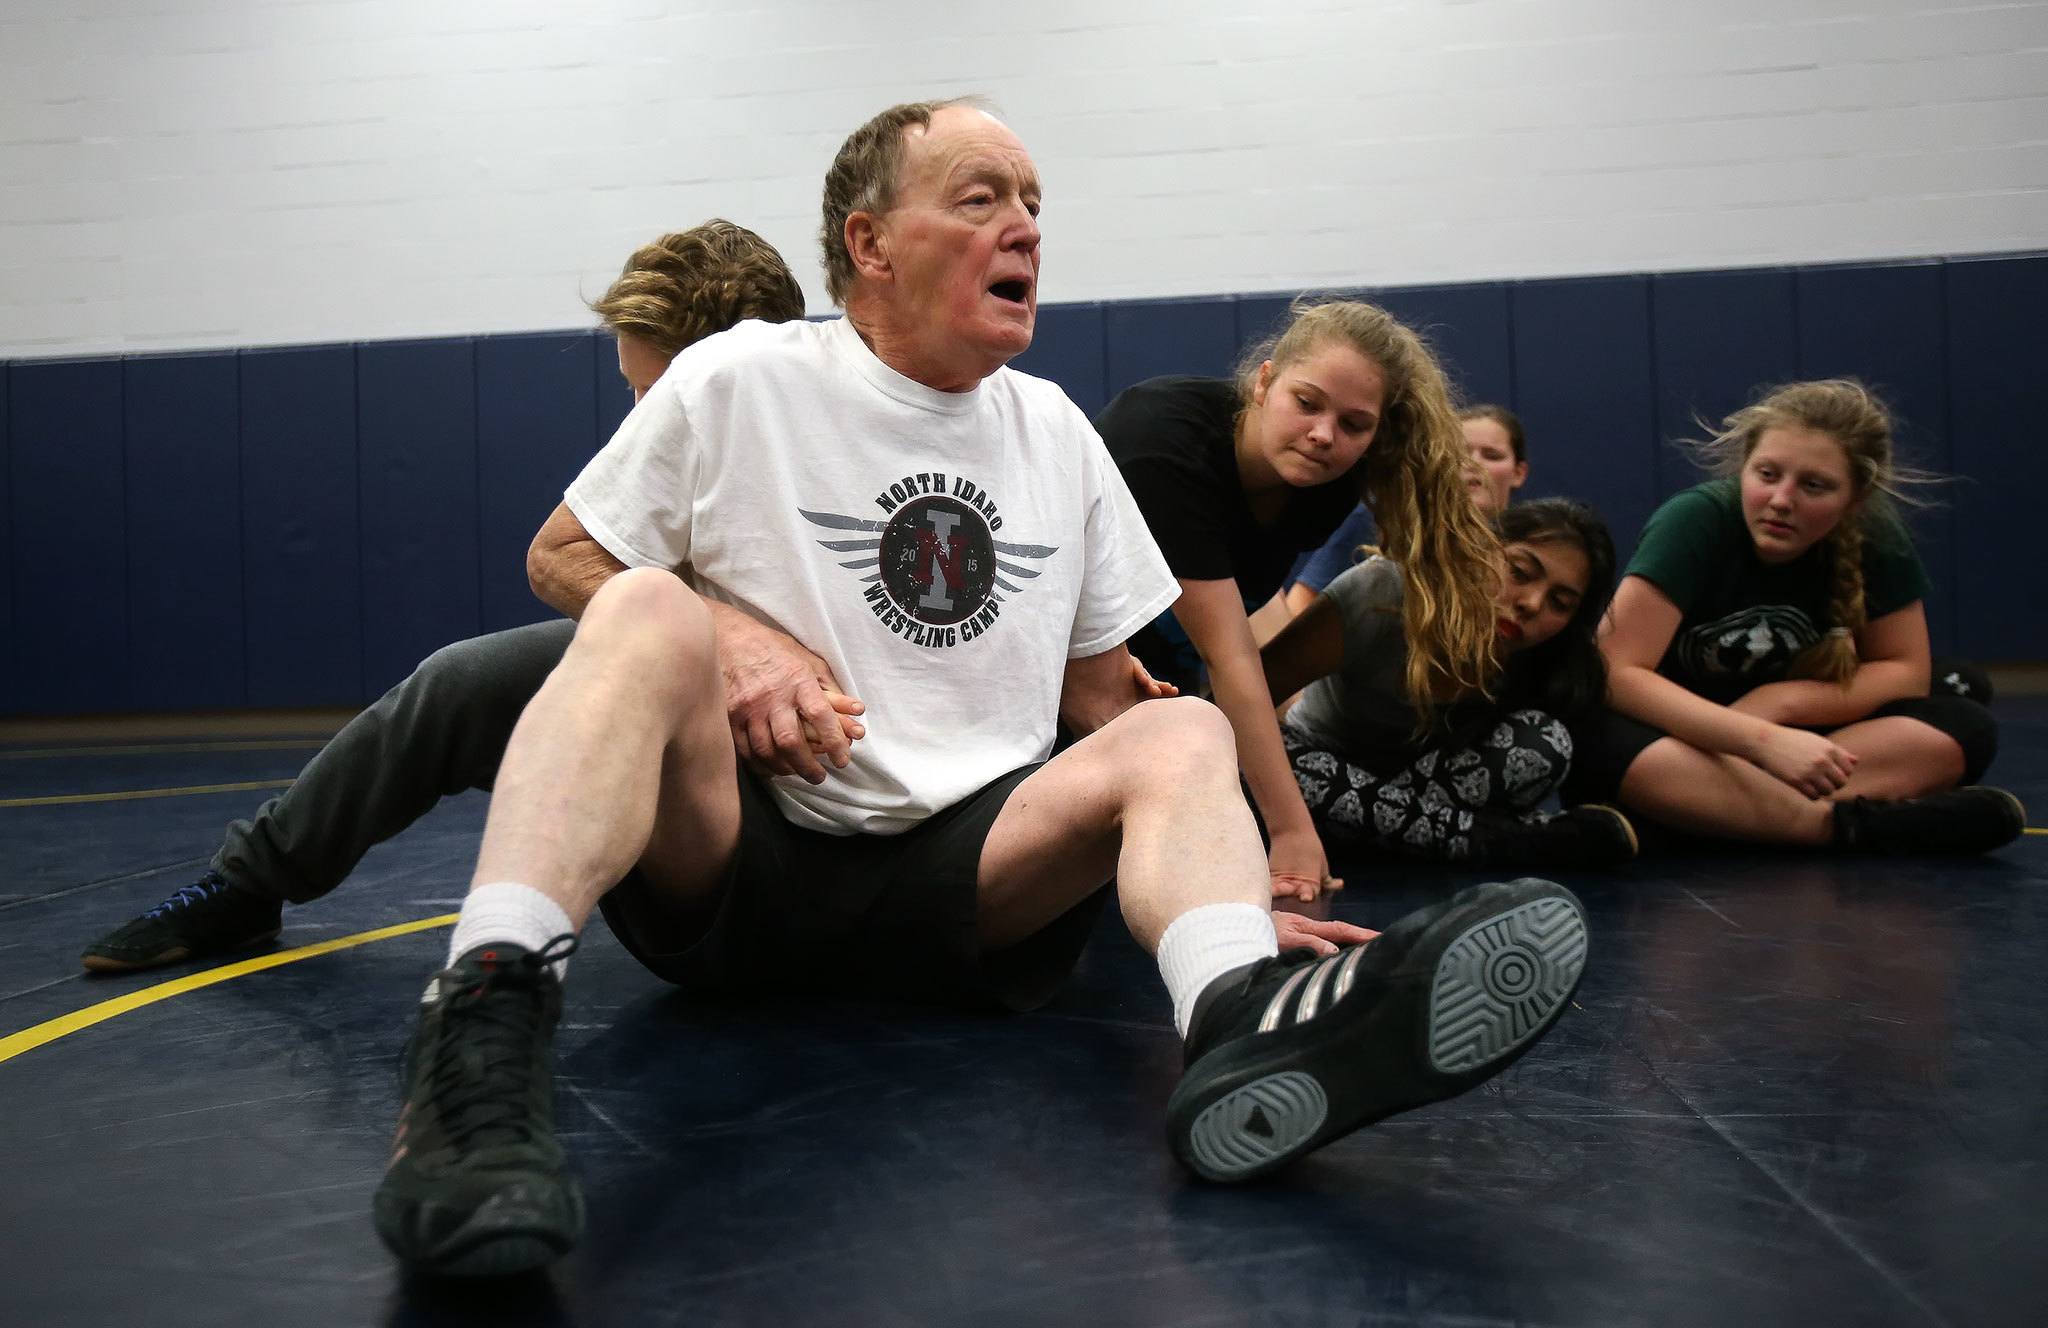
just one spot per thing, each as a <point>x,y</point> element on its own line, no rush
<point>867,245</point>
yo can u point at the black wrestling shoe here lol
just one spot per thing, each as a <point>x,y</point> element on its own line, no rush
<point>477,1185</point>
<point>1975,819</point>
<point>1286,1054</point>
<point>1594,835</point>
<point>209,917</point>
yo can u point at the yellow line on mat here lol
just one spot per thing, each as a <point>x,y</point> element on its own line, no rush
<point>2037,829</point>
<point>28,1039</point>
<point>128,795</point>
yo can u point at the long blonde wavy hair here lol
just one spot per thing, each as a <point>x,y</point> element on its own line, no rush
<point>1851,414</point>
<point>1412,480</point>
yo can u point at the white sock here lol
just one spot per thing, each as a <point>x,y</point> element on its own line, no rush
<point>506,911</point>
<point>1204,943</point>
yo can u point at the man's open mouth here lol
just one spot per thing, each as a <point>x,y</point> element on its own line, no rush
<point>1016,292</point>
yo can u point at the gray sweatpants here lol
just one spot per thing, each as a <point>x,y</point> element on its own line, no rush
<point>441,731</point>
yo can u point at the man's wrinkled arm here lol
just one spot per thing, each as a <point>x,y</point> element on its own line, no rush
<point>565,566</point>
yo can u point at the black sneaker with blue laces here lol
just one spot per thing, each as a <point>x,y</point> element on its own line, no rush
<point>477,1185</point>
<point>211,916</point>
<point>1289,1053</point>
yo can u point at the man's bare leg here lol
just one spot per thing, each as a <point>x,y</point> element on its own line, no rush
<point>1151,799</point>
<point>624,756</point>
<point>1283,1055</point>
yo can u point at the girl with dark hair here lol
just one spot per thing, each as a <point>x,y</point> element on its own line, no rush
<point>1462,784</point>
<point>1769,658</point>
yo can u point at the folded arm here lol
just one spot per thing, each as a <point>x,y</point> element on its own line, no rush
<point>1309,647</point>
<point>1637,632</point>
<point>1893,663</point>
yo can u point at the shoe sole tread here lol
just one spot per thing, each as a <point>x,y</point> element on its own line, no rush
<point>1494,988</point>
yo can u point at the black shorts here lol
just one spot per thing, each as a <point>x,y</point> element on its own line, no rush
<point>889,915</point>
<point>1606,743</point>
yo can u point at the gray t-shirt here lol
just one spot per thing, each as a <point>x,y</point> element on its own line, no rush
<point>1362,709</point>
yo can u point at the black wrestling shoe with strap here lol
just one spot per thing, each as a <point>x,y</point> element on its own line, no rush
<point>1975,819</point>
<point>477,1185</point>
<point>1287,1054</point>
<point>1594,835</point>
<point>211,916</point>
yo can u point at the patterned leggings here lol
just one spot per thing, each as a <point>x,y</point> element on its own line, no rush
<point>1448,796</point>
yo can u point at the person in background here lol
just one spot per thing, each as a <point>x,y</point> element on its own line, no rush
<point>1236,477</point>
<point>1768,656</point>
<point>1467,787</point>
<point>443,729</point>
<point>1500,465</point>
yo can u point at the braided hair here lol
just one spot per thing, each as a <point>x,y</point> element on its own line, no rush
<point>689,284</point>
<point>1851,414</point>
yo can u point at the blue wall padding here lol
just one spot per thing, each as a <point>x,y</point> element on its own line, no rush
<point>614,396</point>
<point>69,513</point>
<point>1260,317</point>
<point>1885,326</point>
<point>536,399</point>
<point>184,516</point>
<point>1148,338</point>
<point>1584,392</point>
<point>301,544</point>
<point>1067,347</point>
<point>300,526</point>
<point>416,412</point>
<point>1719,337</point>
<point>1998,407</point>
<point>1470,329</point>
<point>10,691</point>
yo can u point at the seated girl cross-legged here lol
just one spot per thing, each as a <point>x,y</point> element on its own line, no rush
<point>1768,653</point>
<point>1463,782</point>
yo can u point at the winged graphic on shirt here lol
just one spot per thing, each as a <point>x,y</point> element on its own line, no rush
<point>934,558</point>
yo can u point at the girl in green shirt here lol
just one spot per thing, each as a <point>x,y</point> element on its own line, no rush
<point>1768,656</point>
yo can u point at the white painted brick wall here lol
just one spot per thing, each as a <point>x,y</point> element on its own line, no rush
<point>178,173</point>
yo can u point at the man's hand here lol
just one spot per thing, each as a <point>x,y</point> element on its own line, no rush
<point>1147,687</point>
<point>1322,936</point>
<point>1101,687</point>
<point>784,706</point>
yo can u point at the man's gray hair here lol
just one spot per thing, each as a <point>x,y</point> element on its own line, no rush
<point>864,177</point>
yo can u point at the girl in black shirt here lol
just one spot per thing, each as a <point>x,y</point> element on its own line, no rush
<point>1236,478</point>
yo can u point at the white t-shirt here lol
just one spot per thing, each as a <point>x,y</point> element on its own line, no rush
<point>945,553</point>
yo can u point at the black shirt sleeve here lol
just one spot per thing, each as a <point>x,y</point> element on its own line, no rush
<point>1172,440</point>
